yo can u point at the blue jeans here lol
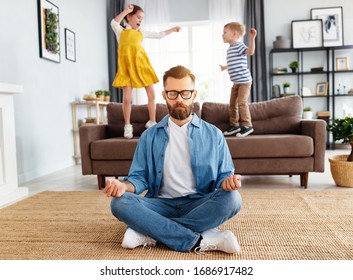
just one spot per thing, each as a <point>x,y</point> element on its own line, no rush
<point>176,222</point>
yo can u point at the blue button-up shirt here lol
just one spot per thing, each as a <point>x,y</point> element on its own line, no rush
<point>211,161</point>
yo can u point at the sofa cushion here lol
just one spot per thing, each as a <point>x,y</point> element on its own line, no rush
<point>117,148</point>
<point>276,116</point>
<point>271,146</point>
<point>139,117</point>
<point>256,147</point>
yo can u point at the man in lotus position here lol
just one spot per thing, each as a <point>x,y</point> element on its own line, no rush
<point>185,165</point>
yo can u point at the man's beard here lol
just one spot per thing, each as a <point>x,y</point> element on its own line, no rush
<point>179,113</point>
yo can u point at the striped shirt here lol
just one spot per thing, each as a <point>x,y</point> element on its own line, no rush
<point>237,64</point>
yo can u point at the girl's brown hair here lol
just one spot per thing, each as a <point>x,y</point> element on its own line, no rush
<point>134,11</point>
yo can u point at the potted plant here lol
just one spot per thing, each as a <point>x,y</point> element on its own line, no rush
<point>342,165</point>
<point>107,95</point>
<point>100,95</point>
<point>307,113</point>
<point>294,66</point>
<point>286,86</point>
<point>51,31</point>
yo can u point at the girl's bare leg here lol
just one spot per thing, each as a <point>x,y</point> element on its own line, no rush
<point>127,94</point>
<point>151,102</point>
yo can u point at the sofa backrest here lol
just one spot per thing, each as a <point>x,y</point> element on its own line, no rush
<point>139,117</point>
<point>281,115</point>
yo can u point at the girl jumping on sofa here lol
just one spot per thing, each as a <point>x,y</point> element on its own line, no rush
<point>134,67</point>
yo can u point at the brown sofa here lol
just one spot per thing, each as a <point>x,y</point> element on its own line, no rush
<point>282,143</point>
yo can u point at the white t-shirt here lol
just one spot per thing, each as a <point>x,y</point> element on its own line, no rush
<point>178,179</point>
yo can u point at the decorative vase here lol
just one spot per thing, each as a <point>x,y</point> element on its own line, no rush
<point>341,170</point>
<point>107,98</point>
<point>100,97</point>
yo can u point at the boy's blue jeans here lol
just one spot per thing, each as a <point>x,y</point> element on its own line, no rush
<point>176,222</point>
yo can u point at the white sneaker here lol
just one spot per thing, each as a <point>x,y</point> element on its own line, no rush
<point>217,240</point>
<point>133,239</point>
<point>150,124</point>
<point>128,131</point>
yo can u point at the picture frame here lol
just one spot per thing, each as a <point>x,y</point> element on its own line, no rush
<point>332,24</point>
<point>49,31</point>
<point>70,45</point>
<point>342,63</point>
<point>321,89</point>
<point>307,33</point>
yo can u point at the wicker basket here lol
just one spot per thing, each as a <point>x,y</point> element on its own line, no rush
<point>342,170</point>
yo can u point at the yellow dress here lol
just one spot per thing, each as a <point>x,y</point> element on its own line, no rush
<point>134,67</point>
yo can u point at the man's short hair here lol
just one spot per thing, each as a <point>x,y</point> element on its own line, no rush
<point>178,72</point>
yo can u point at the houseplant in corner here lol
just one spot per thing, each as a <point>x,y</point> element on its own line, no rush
<point>342,165</point>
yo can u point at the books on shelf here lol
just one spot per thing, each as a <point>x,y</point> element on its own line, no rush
<point>324,115</point>
<point>280,70</point>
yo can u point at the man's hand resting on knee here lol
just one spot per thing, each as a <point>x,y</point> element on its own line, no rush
<point>232,183</point>
<point>116,188</point>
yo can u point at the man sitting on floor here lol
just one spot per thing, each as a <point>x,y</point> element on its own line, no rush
<point>185,165</point>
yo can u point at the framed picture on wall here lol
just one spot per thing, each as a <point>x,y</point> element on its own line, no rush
<point>70,45</point>
<point>332,24</point>
<point>49,34</point>
<point>307,33</point>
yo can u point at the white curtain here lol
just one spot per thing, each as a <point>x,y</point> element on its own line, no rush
<point>221,12</point>
<point>156,11</point>
<point>227,10</point>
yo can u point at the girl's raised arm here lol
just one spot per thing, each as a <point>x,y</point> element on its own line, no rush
<point>173,29</point>
<point>123,14</point>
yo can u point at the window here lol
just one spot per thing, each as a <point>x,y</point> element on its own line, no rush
<point>196,48</point>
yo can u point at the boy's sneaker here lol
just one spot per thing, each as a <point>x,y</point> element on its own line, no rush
<point>133,239</point>
<point>150,124</point>
<point>232,130</point>
<point>245,130</point>
<point>128,131</point>
<point>217,240</point>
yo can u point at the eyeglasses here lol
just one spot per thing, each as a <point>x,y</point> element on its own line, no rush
<point>173,94</point>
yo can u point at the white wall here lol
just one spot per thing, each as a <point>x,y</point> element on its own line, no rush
<point>186,10</point>
<point>43,114</point>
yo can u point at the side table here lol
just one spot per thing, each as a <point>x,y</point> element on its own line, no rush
<point>99,108</point>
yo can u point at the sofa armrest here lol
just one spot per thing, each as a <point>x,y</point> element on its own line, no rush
<point>88,134</point>
<point>316,129</point>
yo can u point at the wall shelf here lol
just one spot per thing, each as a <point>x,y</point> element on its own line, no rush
<point>305,56</point>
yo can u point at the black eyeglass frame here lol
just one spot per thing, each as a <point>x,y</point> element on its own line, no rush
<point>180,93</point>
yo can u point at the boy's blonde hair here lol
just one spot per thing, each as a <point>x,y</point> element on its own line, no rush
<point>237,27</point>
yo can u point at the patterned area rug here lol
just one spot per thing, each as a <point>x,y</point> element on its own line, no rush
<point>272,225</point>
